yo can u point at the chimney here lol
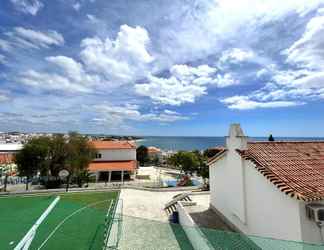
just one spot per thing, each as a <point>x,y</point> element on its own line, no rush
<point>236,138</point>
<point>235,169</point>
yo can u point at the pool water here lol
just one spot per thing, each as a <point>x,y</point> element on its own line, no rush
<point>173,183</point>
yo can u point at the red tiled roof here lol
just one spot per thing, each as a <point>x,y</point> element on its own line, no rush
<point>220,152</point>
<point>112,166</point>
<point>153,150</point>
<point>296,168</point>
<point>6,158</point>
<point>113,144</point>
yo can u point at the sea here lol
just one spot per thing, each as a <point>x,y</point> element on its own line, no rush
<point>176,143</point>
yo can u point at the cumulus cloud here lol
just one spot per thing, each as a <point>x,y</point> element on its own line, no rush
<point>185,84</point>
<point>308,51</point>
<point>245,103</point>
<point>124,59</point>
<point>28,6</point>
<point>50,81</point>
<point>28,38</point>
<point>117,115</point>
<point>71,77</point>
<point>236,55</point>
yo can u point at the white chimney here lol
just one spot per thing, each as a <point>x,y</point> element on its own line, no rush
<point>236,138</point>
<point>235,167</point>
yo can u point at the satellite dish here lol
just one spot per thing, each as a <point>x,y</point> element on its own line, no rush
<point>64,173</point>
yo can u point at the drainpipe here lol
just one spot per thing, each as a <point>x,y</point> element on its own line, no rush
<point>320,226</point>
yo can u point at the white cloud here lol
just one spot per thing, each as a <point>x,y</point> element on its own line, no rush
<point>70,67</point>
<point>236,55</point>
<point>245,103</point>
<point>51,81</point>
<point>116,116</point>
<point>71,77</point>
<point>28,6</point>
<point>185,84</point>
<point>121,60</point>
<point>3,98</point>
<point>92,18</point>
<point>2,59</point>
<point>308,51</point>
<point>170,90</point>
<point>76,6</point>
<point>4,45</point>
<point>28,38</point>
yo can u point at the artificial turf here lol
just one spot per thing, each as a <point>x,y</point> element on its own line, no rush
<point>83,230</point>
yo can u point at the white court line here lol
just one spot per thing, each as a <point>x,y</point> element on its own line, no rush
<point>65,219</point>
<point>33,229</point>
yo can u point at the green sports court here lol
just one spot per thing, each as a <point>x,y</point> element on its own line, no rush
<point>77,221</point>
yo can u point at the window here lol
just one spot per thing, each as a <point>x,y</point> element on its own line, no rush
<point>320,214</point>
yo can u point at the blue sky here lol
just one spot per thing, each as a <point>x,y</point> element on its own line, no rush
<point>162,67</point>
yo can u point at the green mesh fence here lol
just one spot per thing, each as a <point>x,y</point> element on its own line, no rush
<point>139,234</point>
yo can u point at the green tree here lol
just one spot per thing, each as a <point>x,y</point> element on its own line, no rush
<point>80,154</point>
<point>203,168</point>
<point>186,161</point>
<point>142,155</point>
<point>31,158</point>
<point>57,155</point>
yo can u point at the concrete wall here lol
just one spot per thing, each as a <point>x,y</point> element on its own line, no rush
<point>268,211</point>
<point>194,234</point>
<point>117,155</point>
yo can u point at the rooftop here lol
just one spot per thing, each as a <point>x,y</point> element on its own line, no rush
<point>10,147</point>
<point>296,168</point>
<point>112,166</point>
<point>6,159</point>
<point>113,144</point>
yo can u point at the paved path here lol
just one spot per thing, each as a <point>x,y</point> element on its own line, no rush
<point>145,223</point>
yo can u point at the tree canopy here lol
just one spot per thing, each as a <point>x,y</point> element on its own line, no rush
<point>142,154</point>
<point>49,155</point>
<point>185,161</point>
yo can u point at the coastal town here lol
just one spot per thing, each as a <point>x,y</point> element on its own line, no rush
<point>161,125</point>
<point>181,196</point>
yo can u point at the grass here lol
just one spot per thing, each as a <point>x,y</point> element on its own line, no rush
<point>77,221</point>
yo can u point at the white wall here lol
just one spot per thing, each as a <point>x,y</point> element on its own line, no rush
<point>117,155</point>
<point>197,239</point>
<point>309,229</point>
<point>269,212</point>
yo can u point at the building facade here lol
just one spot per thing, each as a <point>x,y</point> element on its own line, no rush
<point>265,188</point>
<point>114,161</point>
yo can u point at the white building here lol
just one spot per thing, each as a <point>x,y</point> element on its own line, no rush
<point>114,160</point>
<point>10,147</point>
<point>265,188</point>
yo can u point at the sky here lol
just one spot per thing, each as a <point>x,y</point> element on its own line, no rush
<point>162,67</point>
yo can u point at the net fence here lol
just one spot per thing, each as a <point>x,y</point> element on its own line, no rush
<point>139,234</point>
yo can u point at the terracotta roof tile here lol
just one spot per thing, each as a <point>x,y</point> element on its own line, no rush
<point>221,151</point>
<point>113,144</point>
<point>6,158</point>
<point>112,166</point>
<point>296,168</point>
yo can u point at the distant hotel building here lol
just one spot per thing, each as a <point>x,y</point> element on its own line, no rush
<point>114,161</point>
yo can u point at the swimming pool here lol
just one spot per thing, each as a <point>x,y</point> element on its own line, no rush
<point>173,182</point>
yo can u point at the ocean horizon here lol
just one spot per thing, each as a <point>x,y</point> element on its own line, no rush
<point>176,143</point>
